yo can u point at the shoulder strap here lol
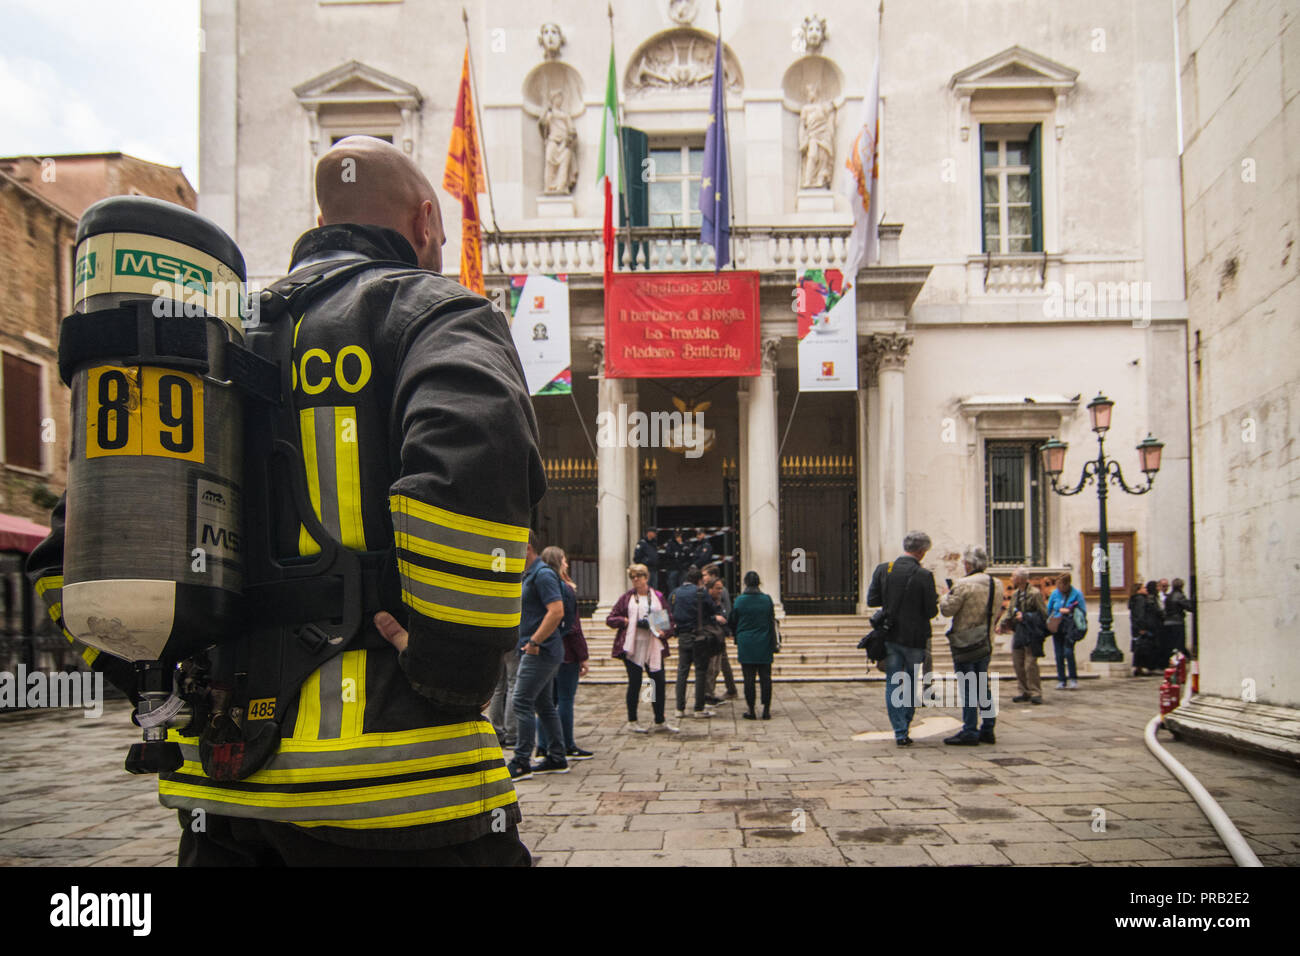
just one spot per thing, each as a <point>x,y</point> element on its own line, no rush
<point>989,611</point>
<point>892,614</point>
<point>292,293</point>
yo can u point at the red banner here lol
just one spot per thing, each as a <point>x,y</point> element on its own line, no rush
<point>681,324</point>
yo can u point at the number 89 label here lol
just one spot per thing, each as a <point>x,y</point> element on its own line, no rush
<point>144,411</point>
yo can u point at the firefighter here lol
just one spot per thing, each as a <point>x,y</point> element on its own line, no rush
<point>419,443</point>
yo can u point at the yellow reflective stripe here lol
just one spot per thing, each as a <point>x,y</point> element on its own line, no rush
<point>331,798</point>
<point>450,519</point>
<point>55,611</point>
<point>347,470</point>
<point>470,559</point>
<point>354,711</point>
<point>456,615</point>
<point>307,428</point>
<point>396,738</point>
<point>308,725</point>
<point>44,584</point>
<point>420,817</point>
<point>365,771</point>
<point>455,582</point>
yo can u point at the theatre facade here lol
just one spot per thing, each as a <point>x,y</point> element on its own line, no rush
<point>1029,256</point>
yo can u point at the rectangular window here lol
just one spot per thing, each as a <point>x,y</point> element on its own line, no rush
<point>22,412</point>
<point>1011,189</point>
<point>1014,503</point>
<point>674,183</point>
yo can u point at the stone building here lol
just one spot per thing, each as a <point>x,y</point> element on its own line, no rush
<point>1030,256</point>
<point>1240,69</point>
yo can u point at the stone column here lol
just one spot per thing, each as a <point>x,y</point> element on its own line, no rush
<point>633,467</point>
<point>868,509</point>
<point>611,488</point>
<point>761,472</point>
<point>742,462</point>
<point>891,463</point>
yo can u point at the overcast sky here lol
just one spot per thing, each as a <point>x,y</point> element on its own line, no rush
<point>98,76</point>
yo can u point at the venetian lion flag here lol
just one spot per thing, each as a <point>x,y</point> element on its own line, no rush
<point>608,169</point>
<point>861,184</point>
<point>463,179</point>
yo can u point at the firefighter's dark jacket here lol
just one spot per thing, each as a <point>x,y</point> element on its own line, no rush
<point>419,438</point>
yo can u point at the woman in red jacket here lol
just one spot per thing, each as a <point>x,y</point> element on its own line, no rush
<point>644,627</point>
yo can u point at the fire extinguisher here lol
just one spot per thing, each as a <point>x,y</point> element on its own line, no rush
<point>1180,664</point>
<point>1169,692</point>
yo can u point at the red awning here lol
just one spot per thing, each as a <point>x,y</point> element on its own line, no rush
<point>19,534</point>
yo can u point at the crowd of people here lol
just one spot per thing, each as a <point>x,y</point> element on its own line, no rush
<point>695,612</point>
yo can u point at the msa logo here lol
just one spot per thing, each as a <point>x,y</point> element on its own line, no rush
<point>219,538</point>
<point>85,268</point>
<point>214,498</point>
<point>136,262</point>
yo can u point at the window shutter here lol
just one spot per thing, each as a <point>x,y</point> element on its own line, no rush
<point>635,207</point>
<point>1036,184</point>
<point>22,412</point>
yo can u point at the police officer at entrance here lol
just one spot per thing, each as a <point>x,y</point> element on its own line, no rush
<point>420,447</point>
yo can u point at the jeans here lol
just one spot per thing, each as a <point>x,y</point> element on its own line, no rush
<point>533,693</point>
<point>764,674</point>
<point>901,689</point>
<point>697,652</point>
<point>1064,656</point>
<point>977,698</point>
<point>658,678</point>
<point>502,709</point>
<point>564,689</point>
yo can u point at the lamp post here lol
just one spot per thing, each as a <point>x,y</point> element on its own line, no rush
<point>1100,469</point>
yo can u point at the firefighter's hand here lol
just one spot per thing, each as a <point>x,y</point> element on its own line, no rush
<point>391,631</point>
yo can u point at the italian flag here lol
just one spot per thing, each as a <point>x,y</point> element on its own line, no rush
<point>608,170</point>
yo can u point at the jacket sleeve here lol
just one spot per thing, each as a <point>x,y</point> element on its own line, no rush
<point>876,591</point>
<point>45,571</point>
<point>931,595</point>
<point>618,613</point>
<point>468,478</point>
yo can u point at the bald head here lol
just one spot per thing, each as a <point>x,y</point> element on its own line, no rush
<point>372,183</point>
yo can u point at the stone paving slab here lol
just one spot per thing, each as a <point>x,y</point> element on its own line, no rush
<point>797,790</point>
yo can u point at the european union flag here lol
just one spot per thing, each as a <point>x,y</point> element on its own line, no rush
<point>715,203</point>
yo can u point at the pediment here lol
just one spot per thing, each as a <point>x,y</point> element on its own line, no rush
<point>355,82</point>
<point>1015,68</point>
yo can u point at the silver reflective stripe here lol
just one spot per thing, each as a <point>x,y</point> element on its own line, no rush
<point>326,470</point>
<point>456,538</point>
<point>454,597</point>
<point>331,694</point>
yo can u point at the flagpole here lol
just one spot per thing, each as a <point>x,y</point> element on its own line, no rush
<point>726,132</point>
<point>880,47</point>
<point>620,197</point>
<point>478,119</point>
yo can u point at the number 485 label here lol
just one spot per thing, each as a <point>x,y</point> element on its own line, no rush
<point>144,411</point>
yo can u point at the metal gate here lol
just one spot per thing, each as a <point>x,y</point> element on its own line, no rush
<point>732,572</point>
<point>567,517</point>
<point>819,534</point>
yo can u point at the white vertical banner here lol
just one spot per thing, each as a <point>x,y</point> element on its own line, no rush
<point>828,332</point>
<point>539,324</point>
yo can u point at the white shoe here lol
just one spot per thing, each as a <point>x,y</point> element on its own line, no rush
<point>679,714</point>
<point>1060,685</point>
<point>635,727</point>
<point>702,714</point>
<point>665,728</point>
<point>1074,685</point>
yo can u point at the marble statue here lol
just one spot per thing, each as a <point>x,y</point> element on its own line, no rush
<point>560,173</point>
<point>816,141</point>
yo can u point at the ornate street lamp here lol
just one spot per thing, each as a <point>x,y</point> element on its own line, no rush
<point>1101,468</point>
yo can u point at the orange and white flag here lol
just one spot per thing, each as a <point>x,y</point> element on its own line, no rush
<point>862,182</point>
<point>463,179</point>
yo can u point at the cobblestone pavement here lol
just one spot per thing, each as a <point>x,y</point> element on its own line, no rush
<point>798,789</point>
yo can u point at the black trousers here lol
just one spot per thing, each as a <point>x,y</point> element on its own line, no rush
<point>658,678</point>
<point>764,674</point>
<point>697,653</point>
<point>236,841</point>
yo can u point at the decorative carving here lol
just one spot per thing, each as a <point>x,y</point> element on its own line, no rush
<point>812,33</point>
<point>816,140</point>
<point>550,38</point>
<point>682,11</point>
<point>597,349</point>
<point>868,366</point>
<point>680,60</point>
<point>769,347</point>
<point>560,172</point>
<point>890,350</point>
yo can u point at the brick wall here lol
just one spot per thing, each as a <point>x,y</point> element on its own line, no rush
<point>34,293</point>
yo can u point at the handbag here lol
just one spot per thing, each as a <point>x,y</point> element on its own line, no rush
<point>882,622</point>
<point>972,643</point>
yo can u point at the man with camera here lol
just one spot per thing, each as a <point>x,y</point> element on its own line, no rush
<point>906,592</point>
